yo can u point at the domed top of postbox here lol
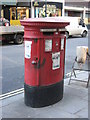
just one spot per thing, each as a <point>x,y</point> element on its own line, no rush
<point>48,22</point>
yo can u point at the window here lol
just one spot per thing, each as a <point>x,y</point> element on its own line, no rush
<point>2,16</point>
<point>52,10</point>
<point>13,13</point>
<point>22,13</point>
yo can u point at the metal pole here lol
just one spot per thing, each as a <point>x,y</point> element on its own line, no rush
<point>63,10</point>
<point>0,10</point>
<point>84,12</point>
<point>16,9</point>
<point>31,8</point>
<point>45,8</point>
<point>16,12</point>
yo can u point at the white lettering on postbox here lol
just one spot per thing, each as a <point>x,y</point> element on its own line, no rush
<point>28,49</point>
<point>56,60</point>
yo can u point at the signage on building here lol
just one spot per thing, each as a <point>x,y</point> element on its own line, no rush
<point>35,4</point>
<point>38,3</point>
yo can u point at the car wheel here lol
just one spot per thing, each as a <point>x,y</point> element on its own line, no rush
<point>19,39</point>
<point>67,35</point>
<point>84,34</point>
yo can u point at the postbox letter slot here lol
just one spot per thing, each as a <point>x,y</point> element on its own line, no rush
<point>48,30</point>
<point>48,33</point>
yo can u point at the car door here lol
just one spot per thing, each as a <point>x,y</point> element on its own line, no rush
<point>79,29</point>
<point>73,29</point>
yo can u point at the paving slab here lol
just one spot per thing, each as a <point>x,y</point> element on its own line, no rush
<point>54,113</point>
<point>86,98</point>
<point>0,113</point>
<point>81,93</point>
<point>71,104</point>
<point>83,113</point>
<point>0,104</point>
<point>76,84</point>
<point>13,111</point>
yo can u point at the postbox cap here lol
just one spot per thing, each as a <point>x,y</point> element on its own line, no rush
<point>45,22</point>
<point>46,19</point>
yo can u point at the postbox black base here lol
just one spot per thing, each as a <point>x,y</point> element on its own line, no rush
<point>43,96</point>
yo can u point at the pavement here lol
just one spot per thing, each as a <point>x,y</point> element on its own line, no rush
<point>73,105</point>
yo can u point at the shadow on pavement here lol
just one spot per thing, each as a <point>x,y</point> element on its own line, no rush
<point>8,43</point>
<point>75,37</point>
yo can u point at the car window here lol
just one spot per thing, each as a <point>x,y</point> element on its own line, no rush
<point>83,25</point>
<point>6,21</point>
<point>2,22</point>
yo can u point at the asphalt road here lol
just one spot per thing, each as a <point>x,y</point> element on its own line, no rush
<point>12,67</point>
<point>13,62</point>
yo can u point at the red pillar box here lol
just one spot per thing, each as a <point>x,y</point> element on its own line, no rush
<point>44,40</point>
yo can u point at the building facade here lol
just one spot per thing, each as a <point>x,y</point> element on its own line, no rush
<point>16,10</point>
<point>5,8</point>
<point>77,8</point>
<point>46,8</point>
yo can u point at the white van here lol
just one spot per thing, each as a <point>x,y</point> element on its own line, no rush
<point>75,28</point>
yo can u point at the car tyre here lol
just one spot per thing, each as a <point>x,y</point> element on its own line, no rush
<point>67,35</point>
<point>19,39</point>
<point>84,34</point>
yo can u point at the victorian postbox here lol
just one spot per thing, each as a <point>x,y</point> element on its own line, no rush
<point>44,40</point>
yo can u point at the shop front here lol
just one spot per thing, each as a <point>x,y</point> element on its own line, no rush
<point>5,8</point>
<point>17,14</point>
<point>17,10</point>
<point>47,9</point>
<point>40,9</point>
<point>74,13</point>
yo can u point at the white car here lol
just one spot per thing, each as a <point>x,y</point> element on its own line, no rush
<point>75,28</point>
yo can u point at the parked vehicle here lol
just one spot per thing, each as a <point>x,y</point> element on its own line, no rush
<point>76,27</point>
<point>12,33</point>
<point>4,22</point>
